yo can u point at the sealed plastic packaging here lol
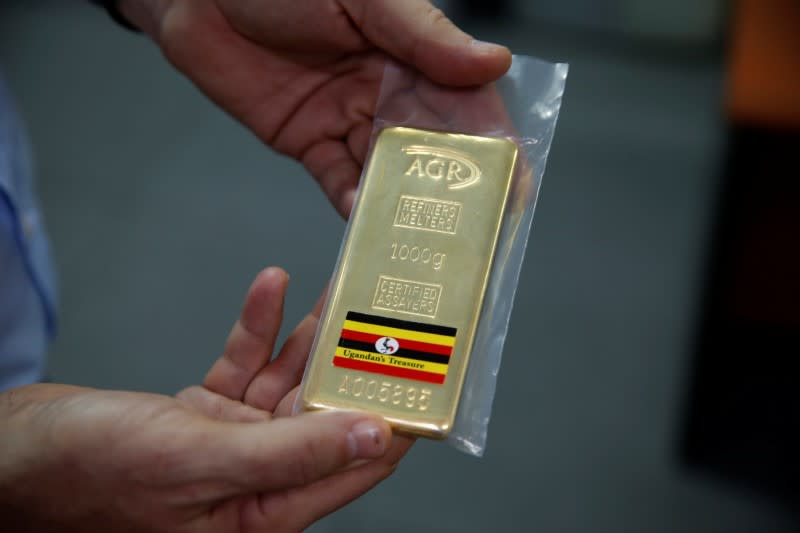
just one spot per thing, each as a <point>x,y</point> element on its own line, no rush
<point>415,321</point>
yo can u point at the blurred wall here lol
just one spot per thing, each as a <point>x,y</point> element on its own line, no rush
<point>677,21</point>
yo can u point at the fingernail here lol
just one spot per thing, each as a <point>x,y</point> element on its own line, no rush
<point>366,440</point>
<point>274,271</point>
<point>484,47</point>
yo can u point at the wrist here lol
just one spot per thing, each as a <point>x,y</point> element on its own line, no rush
<point>30,456</point>
<point>13,457</point>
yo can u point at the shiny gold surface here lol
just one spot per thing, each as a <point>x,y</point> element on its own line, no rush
<point>401,315</point>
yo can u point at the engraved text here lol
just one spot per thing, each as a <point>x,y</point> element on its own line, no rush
<point>415,254</point>
<point>457,169</point>
<point>385,392</point>
<point>427,214</point>
<point>404,296</point>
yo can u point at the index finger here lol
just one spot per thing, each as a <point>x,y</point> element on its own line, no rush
<point>250,343</point>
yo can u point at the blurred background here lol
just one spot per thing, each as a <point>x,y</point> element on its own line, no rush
<point>647,382</point>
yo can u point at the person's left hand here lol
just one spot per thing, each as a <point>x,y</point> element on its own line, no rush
<point>246,380</point>
<point>223,457</point>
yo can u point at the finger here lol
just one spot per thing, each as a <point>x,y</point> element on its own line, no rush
<point>342,121</point>
<point>358,141</point>
<point>219,407</point>
<point>337,173</point>
<point>286,406</point>
<point>301,506</point>
<point>295,451</point>
<point>280,376</point>
<point>285,372</point>
<point>250,343</point>
<point>337,166</point>
<point>419,34</point>
<point>475,110</point>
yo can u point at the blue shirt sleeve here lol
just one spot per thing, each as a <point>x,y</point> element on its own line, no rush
<point>27,281</point>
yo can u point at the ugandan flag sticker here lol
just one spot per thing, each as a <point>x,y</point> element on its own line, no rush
<point>397,348</point>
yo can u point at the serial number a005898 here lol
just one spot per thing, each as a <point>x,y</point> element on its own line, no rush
<point>385,392</point>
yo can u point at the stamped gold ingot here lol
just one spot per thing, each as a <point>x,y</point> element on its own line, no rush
<point>398,327</point>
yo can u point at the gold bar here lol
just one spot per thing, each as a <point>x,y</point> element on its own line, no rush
<point>400,320</point>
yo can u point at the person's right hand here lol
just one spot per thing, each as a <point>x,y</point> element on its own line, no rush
<point>227,457</point>
<point>304,75</point>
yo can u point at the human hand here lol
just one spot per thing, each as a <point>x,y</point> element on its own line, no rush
<point>77,459</point>
<point>304,75</point>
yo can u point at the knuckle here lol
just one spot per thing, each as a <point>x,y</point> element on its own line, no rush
<point>317,456</point>
<point>181,27</point>
<point>435,16</point>
<point>305,469</point>
<point>188,394</point>
<point>392,468</point>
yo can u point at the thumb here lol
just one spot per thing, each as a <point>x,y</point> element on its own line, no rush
<point>417,33</point>
<point>295,451</point>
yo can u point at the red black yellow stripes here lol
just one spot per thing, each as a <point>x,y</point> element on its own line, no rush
<point>393,347</point>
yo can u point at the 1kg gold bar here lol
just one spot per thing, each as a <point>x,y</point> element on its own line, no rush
<point>397,330</point>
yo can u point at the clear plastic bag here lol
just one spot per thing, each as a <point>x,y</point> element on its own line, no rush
<point>522,107</point>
